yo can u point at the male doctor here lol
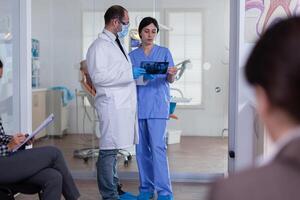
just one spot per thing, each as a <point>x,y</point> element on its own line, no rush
<point>111,72</point>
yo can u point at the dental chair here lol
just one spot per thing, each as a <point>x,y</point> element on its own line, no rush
<point>177,96</point>
<point>181,67</point>
<point>90,93</point>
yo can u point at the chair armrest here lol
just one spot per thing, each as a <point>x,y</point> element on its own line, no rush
<point>6,192</point>
<point>5,188</point>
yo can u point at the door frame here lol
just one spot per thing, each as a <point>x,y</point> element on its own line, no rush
<point>21,81</point>
<point>25,91</point>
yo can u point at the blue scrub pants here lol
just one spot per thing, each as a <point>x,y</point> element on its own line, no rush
<point>151,153</point>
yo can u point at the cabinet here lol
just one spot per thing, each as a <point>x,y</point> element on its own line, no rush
<point>45,102</point>
<point>38,109</point>
<point>54,105</point>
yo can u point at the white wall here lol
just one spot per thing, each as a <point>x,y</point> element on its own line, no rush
<point>42,30</point>
<point>57,24</point>
<point>211,118</point>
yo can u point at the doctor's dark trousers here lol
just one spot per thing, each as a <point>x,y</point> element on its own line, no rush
<point>107,174</point>
<point>44,167</point>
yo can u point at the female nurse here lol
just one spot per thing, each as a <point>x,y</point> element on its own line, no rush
<point>153,113</point>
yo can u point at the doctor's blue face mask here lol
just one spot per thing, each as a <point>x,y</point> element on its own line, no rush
<point>124,31</point>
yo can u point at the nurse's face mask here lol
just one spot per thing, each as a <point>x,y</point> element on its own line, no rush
<point>124,30</point>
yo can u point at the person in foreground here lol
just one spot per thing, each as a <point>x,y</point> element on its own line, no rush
<point>111,72</point>
<point>153,113</point>
<point>43,167</point>
<point>273,69</point>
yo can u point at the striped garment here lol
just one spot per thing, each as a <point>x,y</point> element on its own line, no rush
<point>4,140</point>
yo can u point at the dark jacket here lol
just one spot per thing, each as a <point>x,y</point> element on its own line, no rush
<point>278,180</point>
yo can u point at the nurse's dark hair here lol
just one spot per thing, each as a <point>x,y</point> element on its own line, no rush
<point>114,12</point>
<point>147,21</point>
<point>274,65</point>
<point>1,64</point>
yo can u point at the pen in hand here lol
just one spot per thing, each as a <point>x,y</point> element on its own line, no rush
<point>29,142</point>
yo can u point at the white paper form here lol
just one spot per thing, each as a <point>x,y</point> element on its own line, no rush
<point>43,125</point>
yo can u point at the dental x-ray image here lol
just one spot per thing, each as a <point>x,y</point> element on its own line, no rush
<point>152,67</point>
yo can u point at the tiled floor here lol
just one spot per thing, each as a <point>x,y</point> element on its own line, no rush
<point>191,155</point>
<point>182,191</point>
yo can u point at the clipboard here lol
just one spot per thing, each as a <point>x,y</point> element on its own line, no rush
<point>43,125</point>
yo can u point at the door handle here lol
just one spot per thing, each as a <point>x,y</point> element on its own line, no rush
<point>231,154</point>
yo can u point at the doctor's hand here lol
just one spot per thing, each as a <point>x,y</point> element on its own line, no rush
<point>16,140</point>
<point>137,72</point>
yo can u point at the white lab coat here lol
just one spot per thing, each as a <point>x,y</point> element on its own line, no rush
<point>116,99</point>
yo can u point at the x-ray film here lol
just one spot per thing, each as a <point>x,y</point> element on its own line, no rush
<point>152,67</point>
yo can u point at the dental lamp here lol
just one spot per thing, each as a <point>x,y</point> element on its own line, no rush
<point>5,36</point>
<point>5,26</point>
<point>186,64</point>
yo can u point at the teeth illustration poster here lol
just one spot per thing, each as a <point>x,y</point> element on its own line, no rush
<point>259,14</point>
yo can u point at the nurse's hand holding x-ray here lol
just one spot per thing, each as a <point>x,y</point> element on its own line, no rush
<point>172,71</point>
<point>137,72</point>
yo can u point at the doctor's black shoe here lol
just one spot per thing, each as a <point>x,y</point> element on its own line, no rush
<point>125,195</point>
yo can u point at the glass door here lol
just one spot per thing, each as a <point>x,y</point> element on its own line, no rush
<point>199,135</point>
<point>57,83</point>
<point>6,56</point>
<point>10,55</point>
<point>197,35</point>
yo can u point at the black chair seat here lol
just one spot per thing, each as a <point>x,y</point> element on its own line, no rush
<point>7,192</point>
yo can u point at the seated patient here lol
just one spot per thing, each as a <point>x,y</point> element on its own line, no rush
<point>44,167</point>
<point>86,79</point>
<point>273,70</point>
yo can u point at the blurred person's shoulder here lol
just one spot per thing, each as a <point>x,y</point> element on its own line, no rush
<point>243,185</point>
<point>278,180</point>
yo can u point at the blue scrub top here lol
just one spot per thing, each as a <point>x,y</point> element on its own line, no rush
<point>153,98</point>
